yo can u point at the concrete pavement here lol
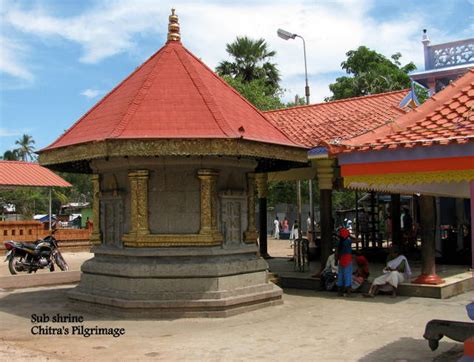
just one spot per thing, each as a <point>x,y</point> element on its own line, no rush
<point>309,326</point>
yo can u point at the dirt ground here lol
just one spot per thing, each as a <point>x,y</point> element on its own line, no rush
<point>309,326</point>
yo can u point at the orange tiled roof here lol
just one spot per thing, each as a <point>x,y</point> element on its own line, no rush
<point>342,119</point>
<point>172,95</point>
<point>447,117</point>
<point>17,173</point>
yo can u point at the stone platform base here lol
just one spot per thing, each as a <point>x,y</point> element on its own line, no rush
<point>174,282</point>
<point>145,309</point>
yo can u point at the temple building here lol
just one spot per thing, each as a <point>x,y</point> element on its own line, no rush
<point>444,62</point>
<point>429,151</point>
<point>177,159</point>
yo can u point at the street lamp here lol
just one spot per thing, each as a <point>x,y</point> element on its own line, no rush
<point>286,35</point>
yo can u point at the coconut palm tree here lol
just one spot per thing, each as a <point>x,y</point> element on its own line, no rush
<point>250,62</point>
<point>26,149</point>
<point>10,155</point>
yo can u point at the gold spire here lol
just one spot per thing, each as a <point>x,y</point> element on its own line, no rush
<point>173,27</point>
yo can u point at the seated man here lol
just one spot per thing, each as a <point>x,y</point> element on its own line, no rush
<point>397,271</point>
<point>329,274</point>
<point>362,272</point>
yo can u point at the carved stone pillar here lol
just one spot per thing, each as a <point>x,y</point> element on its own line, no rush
<point>95,236</point>
<point>250,236</point>
<point>325,174</point>
<point>139,202</point>
<point>262,190</point>
<point>208,180</point>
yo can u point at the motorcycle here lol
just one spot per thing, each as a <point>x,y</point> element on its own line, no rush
<point>26,257</point>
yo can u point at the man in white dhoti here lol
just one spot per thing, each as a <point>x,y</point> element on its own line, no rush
<point>276,228</point>
<point>397,271</point>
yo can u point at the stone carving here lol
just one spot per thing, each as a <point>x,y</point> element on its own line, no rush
<point>250,235</point>
<point>138,203</point>
<point>232,205</point>
<point>231,222</point>
<point>208,180</point>
<point>171,147</point>
<point>95,236</point>
<point>262,185</point>
<point>112,220</point>
<point>451,54</point>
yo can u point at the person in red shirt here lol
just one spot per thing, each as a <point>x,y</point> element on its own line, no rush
<point>344,274</point>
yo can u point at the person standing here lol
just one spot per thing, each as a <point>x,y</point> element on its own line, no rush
<point>294,234</point>
<point>309,229</point>
<point>285,225</point>
<point>276,228</point>
<point>344,256</point>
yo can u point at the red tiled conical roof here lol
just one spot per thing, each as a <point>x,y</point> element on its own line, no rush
<point>172,95</point>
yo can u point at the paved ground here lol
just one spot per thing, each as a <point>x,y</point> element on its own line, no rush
<point>309,326</point>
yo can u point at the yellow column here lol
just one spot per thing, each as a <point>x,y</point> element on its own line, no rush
<point>250,236</point>
<point>208,180</point>
<point>139,202</point>
<point>325,174</point>
<point>95,236</point>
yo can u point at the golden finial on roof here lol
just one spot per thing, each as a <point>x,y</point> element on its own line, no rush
<point>173,27</point>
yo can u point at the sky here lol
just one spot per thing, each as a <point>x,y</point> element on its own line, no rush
<point>60,57</point>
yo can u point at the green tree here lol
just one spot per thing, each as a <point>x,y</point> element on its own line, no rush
<point>256,92</point>
<point>370,73</point>
<point>251,61</point>
<point>26,149</point>
<point>11,155</point>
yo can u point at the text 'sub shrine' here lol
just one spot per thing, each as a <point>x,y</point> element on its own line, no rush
<point>175,154</point>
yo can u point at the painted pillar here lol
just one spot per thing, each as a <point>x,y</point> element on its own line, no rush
<point>250,236</point>
<point>472,224</point>
<point>325,174</point>
<point>262,189</point>
<point>428,249</point>
<point>208,180</point>
<point>95,236</point>
<point>395,215</point>
<point>139,202</point>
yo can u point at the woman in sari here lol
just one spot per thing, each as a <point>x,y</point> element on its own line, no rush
<point>397,271</point>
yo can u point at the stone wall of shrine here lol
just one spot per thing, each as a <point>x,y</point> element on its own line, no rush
<point>174,188</point>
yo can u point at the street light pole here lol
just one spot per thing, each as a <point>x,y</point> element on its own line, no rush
<point>286,35</point>
<point>306,88</point>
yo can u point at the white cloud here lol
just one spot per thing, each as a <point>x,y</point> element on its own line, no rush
<point>330,29</point>
<point>12,60</point>
<point>4,132</point>
<point>90,93</point>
